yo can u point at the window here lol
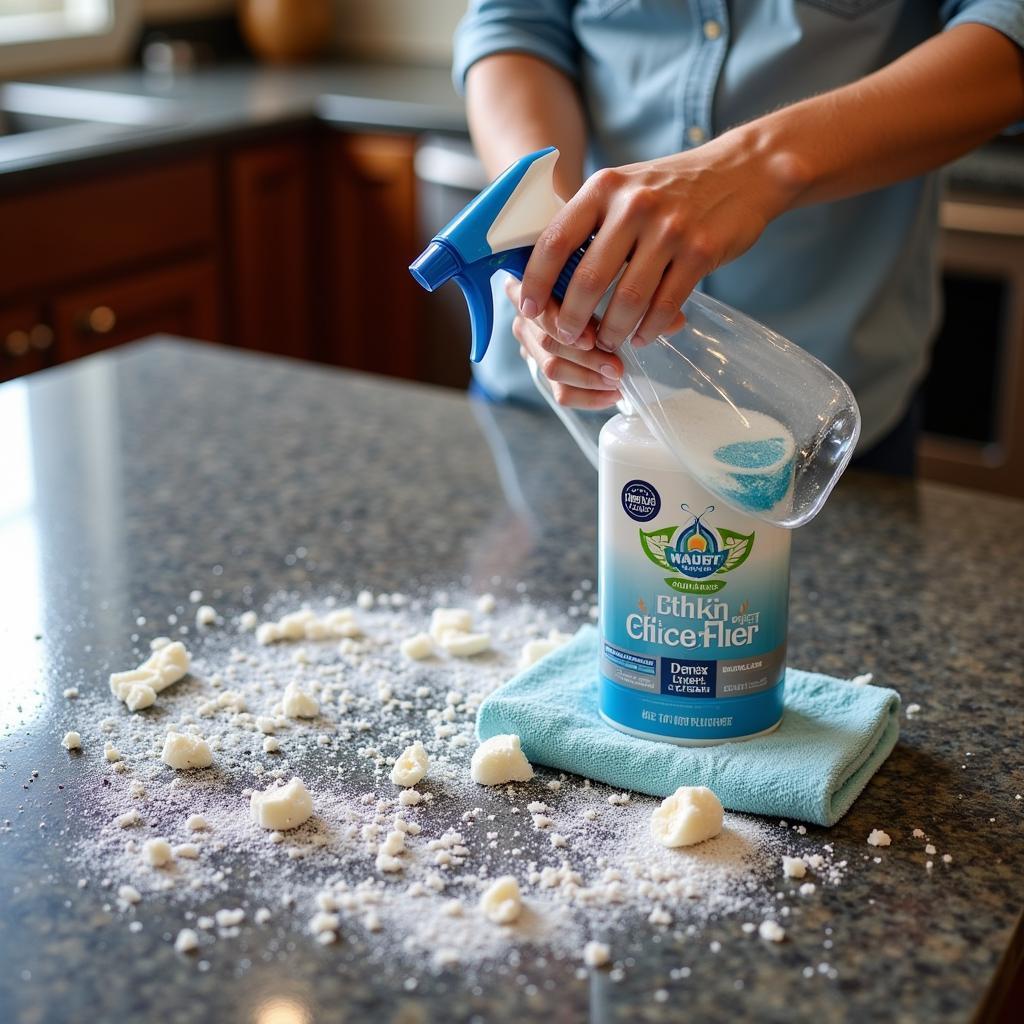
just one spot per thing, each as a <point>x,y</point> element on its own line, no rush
<point>53,35</point>
<point>24,21</point>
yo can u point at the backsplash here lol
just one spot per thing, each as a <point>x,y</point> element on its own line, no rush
<point>413,30</point>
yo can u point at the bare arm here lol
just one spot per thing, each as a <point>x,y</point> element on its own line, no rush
<point>679,217</point>
<point>930,106</point>
<point>517,104</point>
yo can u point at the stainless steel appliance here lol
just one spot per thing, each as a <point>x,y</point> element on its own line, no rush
<point>974,392</point>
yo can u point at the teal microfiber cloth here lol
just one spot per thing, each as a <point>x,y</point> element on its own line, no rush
<point>834,736</point>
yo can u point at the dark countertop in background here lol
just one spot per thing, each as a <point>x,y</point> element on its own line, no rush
<point>216,103</point>
<point>220,101</point>
<point>117,504</point>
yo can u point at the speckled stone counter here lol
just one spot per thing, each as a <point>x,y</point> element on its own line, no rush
<point>131,477</point>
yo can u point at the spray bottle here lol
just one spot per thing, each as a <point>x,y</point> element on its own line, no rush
<point>727,437</point>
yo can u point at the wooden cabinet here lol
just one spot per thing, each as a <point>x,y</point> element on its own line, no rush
<point>370,224</point>
<point>109,258</point>
<point>296,244</point>
<point>271,251</point>
<point>105,224</point>
<point>26,341</point>
<point>180,299</point>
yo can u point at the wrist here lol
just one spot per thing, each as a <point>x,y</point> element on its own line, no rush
<point>768,147</point>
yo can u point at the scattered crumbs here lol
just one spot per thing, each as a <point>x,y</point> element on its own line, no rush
<point>72,741</point>
<point>596,954</point>
<point>771,931</point>
<point>398,870</point>
<point>879,838</point>
<point>794,867</point>
<point>913,709</point>
<point>71,692</point>
<point>206,615</point>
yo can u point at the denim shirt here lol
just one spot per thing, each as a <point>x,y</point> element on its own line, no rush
<point>856,281</point>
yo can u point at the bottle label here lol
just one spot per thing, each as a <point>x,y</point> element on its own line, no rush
<point>694,608</point>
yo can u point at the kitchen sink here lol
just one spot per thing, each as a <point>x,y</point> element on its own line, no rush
<point>36,119</point>
<point>13,122</point>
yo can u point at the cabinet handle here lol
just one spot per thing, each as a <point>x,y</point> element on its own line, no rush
<point>16,343</point>
<point>101,320</point>
<point>41,337</point>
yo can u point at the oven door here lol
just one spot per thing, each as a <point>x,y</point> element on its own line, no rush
<point>974,392</point>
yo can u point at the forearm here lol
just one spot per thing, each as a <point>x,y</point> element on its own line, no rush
<point>930,106</point>
<point>517,104</point>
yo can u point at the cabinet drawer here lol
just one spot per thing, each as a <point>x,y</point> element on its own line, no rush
<point>181,299</point>
<point>26,341</point>
<point>96,226</point>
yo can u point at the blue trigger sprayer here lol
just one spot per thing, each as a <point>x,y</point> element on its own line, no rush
<point>710,394</point>
<point>496,231</point>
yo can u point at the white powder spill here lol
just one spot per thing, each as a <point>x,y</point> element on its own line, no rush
<point>398,873</point>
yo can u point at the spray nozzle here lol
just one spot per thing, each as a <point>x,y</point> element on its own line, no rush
<point>435,265</point>
<point>496,231</point>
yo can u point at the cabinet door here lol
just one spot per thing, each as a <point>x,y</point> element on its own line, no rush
<point>105,223</point>
<point>371,300</point>
<point>181,299</point>
<point>271,247</point>
<point>26,341</point>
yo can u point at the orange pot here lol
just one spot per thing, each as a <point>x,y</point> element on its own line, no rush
<point>284,31</point>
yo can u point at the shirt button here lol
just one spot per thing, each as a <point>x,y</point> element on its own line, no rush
<point>695,134</point>
<point>712,30</point>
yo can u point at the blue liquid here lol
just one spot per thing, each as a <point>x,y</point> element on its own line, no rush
<point>752,454</point>
<point>757,491</point>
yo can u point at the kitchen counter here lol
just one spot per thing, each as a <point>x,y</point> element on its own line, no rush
<point>132,477</point>
<point>231,101</point>
<point>228,101</point>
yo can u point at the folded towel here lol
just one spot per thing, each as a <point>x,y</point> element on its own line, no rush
<point>834,736</point>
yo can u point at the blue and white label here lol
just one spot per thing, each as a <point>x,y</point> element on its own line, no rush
<point>694,610</point>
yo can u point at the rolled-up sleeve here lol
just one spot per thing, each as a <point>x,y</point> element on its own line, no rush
<point>1006,16</point>
<point>541,28</point>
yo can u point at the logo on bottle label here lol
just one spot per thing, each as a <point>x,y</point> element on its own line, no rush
<point>640,501</point>
<point>693,553</point>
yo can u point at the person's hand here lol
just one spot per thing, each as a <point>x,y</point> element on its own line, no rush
<point>581,374</point>
<point>669,221</point>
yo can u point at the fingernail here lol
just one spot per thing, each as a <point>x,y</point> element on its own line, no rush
<point>609,371</point>
<point>528,308</point>
<point>566,337</point>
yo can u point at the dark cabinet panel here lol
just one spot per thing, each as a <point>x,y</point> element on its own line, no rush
<point>105,224</point>
<point>370,239</point>
<point>271,251</point>
<point>180,299</point>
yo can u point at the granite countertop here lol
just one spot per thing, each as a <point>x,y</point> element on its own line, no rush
<point>133,476</point>
<point>219,102</point>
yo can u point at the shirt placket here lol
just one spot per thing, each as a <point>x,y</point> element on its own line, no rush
<point>712,20</point>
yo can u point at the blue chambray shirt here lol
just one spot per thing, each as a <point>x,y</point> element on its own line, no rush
<point>855,282</point>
